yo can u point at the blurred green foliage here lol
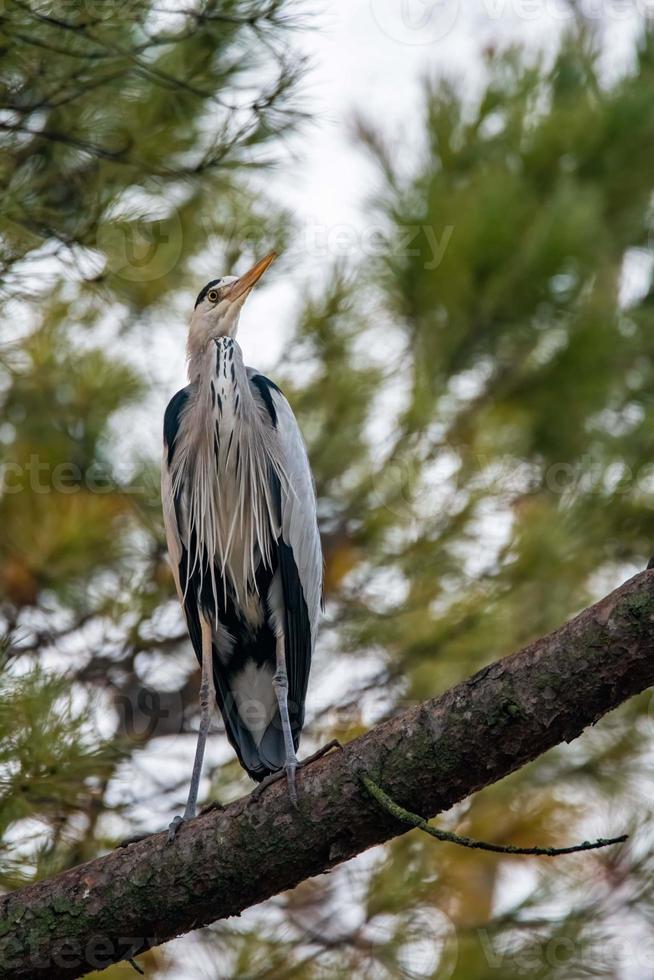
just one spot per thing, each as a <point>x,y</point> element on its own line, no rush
<point>476,398</point>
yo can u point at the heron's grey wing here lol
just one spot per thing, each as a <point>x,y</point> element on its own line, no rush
<point>298,548</point>
<point>171,507</point>
<point>173,514</point>
<point>299,518</point>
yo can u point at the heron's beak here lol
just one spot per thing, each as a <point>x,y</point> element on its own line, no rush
<point>243,285</point>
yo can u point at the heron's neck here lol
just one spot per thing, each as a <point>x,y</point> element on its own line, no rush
<point>221,383</point>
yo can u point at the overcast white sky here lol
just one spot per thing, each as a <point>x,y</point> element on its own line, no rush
<point>370,56</point>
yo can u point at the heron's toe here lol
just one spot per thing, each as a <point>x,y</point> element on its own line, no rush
<point>173,827</point>
<point>210,807</point>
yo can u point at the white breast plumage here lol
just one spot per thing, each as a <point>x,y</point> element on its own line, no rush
<point>223,476</point>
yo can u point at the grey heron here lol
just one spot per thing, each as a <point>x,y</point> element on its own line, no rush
<point>240,517</point>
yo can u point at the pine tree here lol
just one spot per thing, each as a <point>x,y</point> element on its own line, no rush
<point>476,411</point>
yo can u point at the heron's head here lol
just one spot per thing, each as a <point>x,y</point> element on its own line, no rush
<point>219,304</point>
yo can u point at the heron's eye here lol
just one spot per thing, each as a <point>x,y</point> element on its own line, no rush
<point>212,295</point>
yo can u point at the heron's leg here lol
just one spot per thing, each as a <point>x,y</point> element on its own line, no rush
<point>207,701</point>
<point>280,686</point>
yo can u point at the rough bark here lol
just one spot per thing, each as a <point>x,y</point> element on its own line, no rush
<point>426,758</point>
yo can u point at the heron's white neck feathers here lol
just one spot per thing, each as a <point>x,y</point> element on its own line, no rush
<point>207,326</point>
<point>227,463</point>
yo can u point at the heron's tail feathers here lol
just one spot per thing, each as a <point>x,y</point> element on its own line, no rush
<point>271,746</point>
<point>263,759</point>
<point>260,747</point>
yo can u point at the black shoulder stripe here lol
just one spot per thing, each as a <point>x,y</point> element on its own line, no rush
<point>264,386</point>
<point>298,638</point>
<point>171,421</point>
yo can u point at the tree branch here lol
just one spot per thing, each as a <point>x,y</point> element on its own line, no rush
<point>425,759</point>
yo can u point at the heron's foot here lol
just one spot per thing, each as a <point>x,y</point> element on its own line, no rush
<point>292,790</point>
<point>332,744</point>
<point>273,777</point>
<point>173,828</point>
<point>210,807</point>
<point>265,782</point>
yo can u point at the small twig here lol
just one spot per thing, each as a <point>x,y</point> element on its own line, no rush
<point>445,835</point>
<point>134,964</point>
